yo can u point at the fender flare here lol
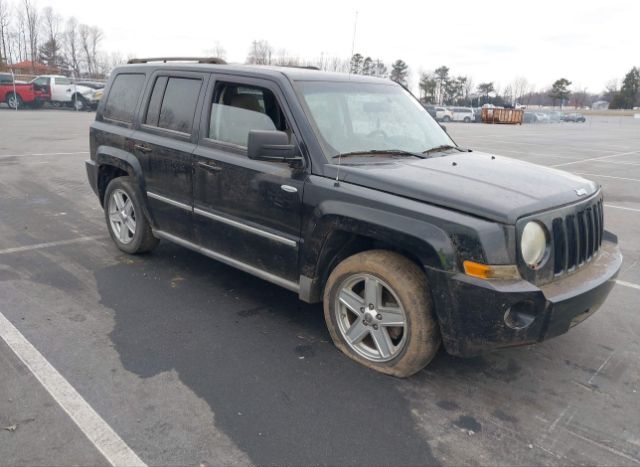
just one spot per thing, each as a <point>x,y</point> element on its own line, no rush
<point>123,160</point>
<point>426,243</point>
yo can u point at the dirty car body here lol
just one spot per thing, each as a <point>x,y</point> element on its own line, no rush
<point>293,218</point>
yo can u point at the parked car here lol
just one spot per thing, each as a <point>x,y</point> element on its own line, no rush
<point>443,114</point>
<point>432,110</point>
<point>89,84</point>
<point>542,117</point>
<point>343,190</point>
<point>21,94</point>
<point>477,114</point>
<point>462,114</point>
<point>556,116</point>
<point>530,117</point>
<point>65,93</point>
<point>574,117</point>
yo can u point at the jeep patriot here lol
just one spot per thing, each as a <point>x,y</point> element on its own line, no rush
<point>346,191</point>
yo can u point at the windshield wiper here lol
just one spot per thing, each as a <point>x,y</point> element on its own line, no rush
<point>443,147</point>
<point>376,152</point>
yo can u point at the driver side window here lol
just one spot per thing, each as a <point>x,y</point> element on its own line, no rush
<point>237,109</point>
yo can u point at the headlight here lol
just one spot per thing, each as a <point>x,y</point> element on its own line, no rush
<point>533,244</point>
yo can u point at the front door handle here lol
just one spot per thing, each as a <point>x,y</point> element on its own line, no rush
<point>210,166</point>
<point>142,148</point>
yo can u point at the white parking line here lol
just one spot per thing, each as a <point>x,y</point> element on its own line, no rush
<point>596,158</point>
<point>621,207</point>
<point>554,145</point>
<point>101,435</point>
<point>628,284</point>
<point>6,156</point>
<point>608,176</point>
<point>39,246</point>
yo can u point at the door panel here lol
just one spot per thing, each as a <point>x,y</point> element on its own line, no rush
<point>241,210</point>
<point>246,209</point>
<point>164,144</point>
<point>166,164</point>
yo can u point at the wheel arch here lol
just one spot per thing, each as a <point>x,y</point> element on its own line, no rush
<point>113,162</point>
<point>335,238</point>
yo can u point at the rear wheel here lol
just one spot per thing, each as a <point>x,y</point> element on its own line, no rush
<point>127,224</point>
<point>467,119</point>
<point>378,309</point>
<point>446,118</point>
<point>14,101</point>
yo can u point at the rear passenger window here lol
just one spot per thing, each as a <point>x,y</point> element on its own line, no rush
<point>179,104</point>
<point>237,109</point>
<point>123,96</point>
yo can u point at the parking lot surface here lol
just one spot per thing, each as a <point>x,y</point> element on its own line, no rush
<point>188,361</point>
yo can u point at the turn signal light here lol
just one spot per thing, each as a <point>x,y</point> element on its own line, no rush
<point>486,271</point>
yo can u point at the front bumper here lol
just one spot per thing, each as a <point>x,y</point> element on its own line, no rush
<point>476,315</point>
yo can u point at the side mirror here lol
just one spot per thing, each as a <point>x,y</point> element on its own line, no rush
<point>271,146</point>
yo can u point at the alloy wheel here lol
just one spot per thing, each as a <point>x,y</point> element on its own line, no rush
<point>370,317</point>
<point>122,216</point>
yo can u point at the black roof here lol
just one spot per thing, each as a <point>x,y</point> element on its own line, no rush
<point>277,72</point>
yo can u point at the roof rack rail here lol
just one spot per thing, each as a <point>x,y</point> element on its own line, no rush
<point>211,60</point>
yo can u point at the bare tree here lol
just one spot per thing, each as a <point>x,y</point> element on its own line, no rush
<point>84,36</point>
<point>520,86</point>
<point>4,32</point>
<point>260,53</point>
<point>95,38</point>
<point>50,51</point>
<point>218,50</point>
<point>32,18</point>
<point>72,45</point>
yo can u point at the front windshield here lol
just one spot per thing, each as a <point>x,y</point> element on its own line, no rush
<point>355,117</point>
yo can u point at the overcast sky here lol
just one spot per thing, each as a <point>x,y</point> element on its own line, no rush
<point>588,42</point>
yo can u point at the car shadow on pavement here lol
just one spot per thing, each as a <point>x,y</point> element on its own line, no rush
<point>261,359</point>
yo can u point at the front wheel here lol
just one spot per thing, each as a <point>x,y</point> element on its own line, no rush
<point>127,224</point>
<point>446,119</point>
<point>378,309</point>
<point>467,119</point>
<point>79,103</point>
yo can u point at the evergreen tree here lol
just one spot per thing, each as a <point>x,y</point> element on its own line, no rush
<point>560,91</point>
<point>399,72</point>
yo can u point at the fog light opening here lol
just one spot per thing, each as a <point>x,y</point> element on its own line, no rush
<point>520,315</point>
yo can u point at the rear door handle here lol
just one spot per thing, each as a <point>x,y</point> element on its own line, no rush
<point>142,148</point>
<point>210,166</point>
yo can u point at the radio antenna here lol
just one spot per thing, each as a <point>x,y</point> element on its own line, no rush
<point>353,49</point>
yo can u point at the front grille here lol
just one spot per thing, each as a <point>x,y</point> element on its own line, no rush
<point>577,237</point>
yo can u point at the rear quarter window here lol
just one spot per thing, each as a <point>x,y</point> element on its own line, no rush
<point>123,97</point>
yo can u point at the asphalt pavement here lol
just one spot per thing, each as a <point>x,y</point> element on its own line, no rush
<point>187,361</point>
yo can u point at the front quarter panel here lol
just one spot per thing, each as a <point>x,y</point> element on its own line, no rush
<point>435,237</point>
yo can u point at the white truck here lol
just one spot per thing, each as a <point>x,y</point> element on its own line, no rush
<point>65,93</point>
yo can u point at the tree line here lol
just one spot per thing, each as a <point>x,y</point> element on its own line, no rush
<point>442,87</point>
<point>42,36</point>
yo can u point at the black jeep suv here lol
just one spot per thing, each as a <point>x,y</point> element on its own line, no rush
<point>344,190</point>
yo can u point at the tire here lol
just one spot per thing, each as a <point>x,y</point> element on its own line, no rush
<point>79,103</point>
<point>467,119</point>
<point>131,237</point>
<point>446,119</point>
<point>360,332</point>
<point>14,101</point>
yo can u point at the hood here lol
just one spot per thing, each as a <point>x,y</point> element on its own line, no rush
<point>493,187</point>
<point>83,89</point>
